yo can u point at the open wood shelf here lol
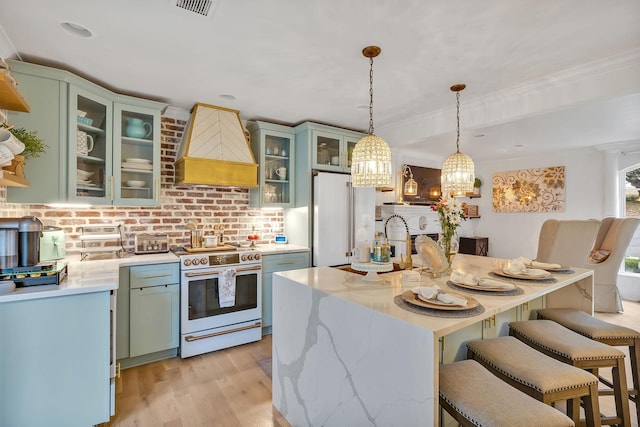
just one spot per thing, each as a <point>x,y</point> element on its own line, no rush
<point>10,98</point>
<point>11,180</point>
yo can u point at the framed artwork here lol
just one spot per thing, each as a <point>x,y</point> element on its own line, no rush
<point>529,190</point>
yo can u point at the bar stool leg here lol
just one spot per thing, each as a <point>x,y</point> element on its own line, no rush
<point>621,393</point>
<point>634,355</point>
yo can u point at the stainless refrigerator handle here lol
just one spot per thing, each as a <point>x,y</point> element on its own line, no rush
<point>350,215</point>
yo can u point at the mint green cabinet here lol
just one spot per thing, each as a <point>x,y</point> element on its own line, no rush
<point>91,157</point>
<point>54,361</point>
<point>154,319</point>
<point>330,148</point>
<point>274,149</point>
<point>316,146</point>
<point>148,313</point>
<point>272,263</point>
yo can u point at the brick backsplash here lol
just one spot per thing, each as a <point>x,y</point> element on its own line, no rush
<point>206,205</point>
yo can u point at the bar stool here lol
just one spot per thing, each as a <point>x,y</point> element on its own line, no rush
<point>606,333</point>
<point>538,375</point>
<point>475,397</point>
<point>563,344</point>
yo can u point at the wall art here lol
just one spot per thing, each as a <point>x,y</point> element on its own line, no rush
<point>529,190</point>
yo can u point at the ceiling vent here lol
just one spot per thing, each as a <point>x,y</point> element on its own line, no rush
<point>201,7</point>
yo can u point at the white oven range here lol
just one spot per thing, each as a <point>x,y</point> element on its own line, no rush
<point>207,326</point>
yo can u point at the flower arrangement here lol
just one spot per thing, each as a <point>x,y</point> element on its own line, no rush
<point>451,215</point>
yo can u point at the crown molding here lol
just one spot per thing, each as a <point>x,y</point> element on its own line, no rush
<point>614,76</point>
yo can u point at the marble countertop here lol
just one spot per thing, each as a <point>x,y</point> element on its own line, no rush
<point>273,249</point>
<point>97,275</point>
<point>379,296</point>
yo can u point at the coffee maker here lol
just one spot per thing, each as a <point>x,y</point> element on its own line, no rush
<point>20,242</point>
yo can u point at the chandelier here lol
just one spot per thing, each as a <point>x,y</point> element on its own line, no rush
<point>371,159</point>
<point>457,170</point>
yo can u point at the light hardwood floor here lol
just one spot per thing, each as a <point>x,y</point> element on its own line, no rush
<point>228,388</point>
<point>222,388</point>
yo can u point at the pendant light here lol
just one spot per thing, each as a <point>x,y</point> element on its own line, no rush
<point>457,170</point>
<point>371,159</point>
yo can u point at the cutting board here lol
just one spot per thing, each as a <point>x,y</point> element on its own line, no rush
<point>217,248</point>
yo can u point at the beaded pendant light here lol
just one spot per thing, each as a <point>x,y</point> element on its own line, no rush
<point>457,170</point>
<point>371,160</point>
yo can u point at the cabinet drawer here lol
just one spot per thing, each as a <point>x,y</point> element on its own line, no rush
<point>283,262</point>
<point>153,275</point>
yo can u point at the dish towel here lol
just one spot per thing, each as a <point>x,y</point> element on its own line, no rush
<point>517,267</point>
<point>227,288</point>
<point>468,279</point>
<point>537,264</point>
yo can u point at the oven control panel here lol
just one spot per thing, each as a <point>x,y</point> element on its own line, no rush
<point>225,259</point>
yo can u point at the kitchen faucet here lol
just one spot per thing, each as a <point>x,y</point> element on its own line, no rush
<point>408,264</point>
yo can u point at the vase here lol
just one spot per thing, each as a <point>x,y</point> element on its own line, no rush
<point>450,245</point>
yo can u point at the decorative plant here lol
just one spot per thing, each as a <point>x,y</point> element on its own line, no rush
<point>477,182</point>
<point>33,145</point>
<point>451,215</point>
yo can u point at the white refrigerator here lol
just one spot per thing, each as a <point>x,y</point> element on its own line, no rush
<point>338,212</point>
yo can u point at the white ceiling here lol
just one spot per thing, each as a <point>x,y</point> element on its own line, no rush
<point>544,75</point>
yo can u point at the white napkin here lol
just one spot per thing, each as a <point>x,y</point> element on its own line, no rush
<point>471,280</point>
<point>463,278</point>
<point>518,268</point>
<point>537,264</point>
<point>227,288</point>
<point>452,299</point>
<point>431,292</point>
<point>490,283</point>
<point>427,292</point>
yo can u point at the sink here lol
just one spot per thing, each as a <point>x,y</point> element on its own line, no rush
<point>347,267</point>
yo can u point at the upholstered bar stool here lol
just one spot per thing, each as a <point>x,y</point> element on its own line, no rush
<point>477,398</point>
<point>538,375</point>
<point>570,347</point>
<point>604,332</point>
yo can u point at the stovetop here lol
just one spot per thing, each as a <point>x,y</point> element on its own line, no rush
<point>226,258</point>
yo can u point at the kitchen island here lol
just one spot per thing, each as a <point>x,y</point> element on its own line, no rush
<point>345,354</point>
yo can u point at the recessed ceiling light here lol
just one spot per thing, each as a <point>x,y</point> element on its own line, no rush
<point>76,29</point>
<point>227,96</point>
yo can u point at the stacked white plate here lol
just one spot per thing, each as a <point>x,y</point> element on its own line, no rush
<point>85,182</point>
<point>134,163</point>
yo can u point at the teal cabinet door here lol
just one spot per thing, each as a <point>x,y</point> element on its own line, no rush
<point>270,264</point>
<point>154,317</point>
<point>54,361</point>
<point>273,147</point>
<point>93,154</point>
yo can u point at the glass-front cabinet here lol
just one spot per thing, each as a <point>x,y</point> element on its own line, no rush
<point>89,148</point>
<point>273,146</point>
<point>136,168</point>
<point>332,151</point>
<point>102,147</point>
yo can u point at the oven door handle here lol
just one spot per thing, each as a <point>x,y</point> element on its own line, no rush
<point>190,338</point>
<point>212,273</point>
